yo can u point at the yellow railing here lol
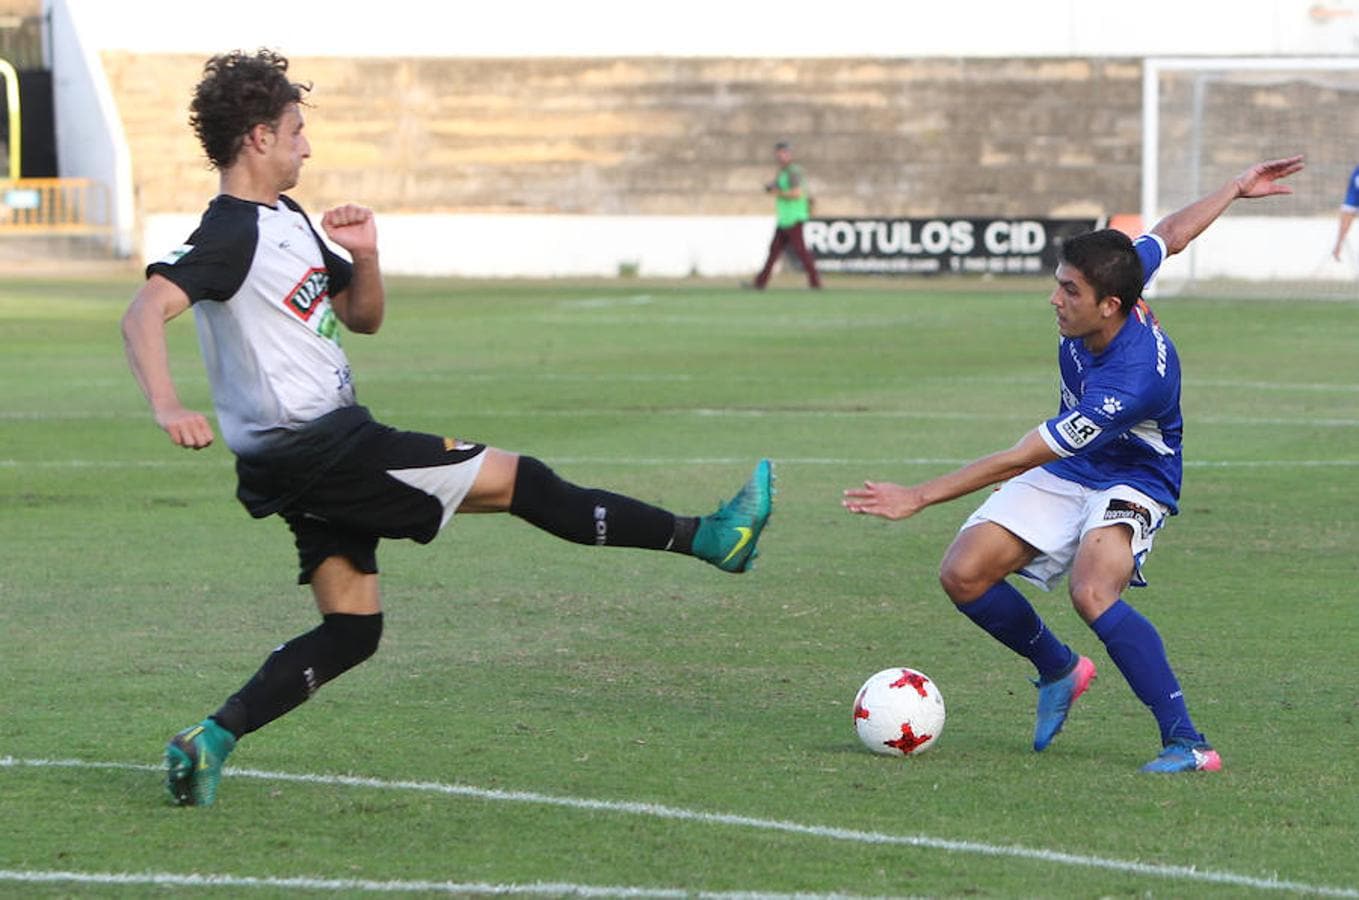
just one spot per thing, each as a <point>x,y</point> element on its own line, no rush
<point>54,206</point>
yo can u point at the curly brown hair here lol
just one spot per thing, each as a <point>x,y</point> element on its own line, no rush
<point>239,91</point>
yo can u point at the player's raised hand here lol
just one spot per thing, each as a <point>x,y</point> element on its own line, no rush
<point>353,227</point>
<point>884,499</point>
<point>1262,179</point>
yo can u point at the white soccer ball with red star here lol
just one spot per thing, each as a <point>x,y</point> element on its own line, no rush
<point>899,712</point>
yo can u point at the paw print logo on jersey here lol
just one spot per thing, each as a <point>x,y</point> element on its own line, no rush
<point>1111,406</point>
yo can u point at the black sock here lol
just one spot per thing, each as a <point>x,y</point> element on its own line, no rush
<point>295,671</point>
<point>683,541</point>
<point>592,516</point>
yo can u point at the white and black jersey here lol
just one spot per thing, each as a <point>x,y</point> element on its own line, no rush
<point>260,280</point>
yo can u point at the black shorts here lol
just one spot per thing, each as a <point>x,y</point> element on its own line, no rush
<point>383,483</point>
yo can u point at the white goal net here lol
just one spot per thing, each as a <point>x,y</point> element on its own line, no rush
<point>1207,119</point>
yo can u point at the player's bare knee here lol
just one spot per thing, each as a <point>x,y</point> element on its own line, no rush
<point>1090,599</point>
<point>961,583</point>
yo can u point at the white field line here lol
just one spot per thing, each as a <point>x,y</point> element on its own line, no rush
<point>653,810</point>
<point>475,888</point>
<point>737,413</point>
<point>680,462</point>
<point>821,380</point>
<point>606,302</point>
<point>1276,386</point>
<point>850,379</point>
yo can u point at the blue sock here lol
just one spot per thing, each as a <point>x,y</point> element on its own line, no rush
<point>1135,647</point>
<point>1005,614</point>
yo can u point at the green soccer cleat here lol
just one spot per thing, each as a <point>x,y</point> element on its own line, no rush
<point>727,538</point>
<point>193,763</point>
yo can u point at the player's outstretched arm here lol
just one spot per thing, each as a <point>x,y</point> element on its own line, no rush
<point>895,501</point>
<point>1260,180</point>
<point>362,304</point>
<point>159,301</point>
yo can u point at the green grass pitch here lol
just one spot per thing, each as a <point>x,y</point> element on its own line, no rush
<point>641,724</point>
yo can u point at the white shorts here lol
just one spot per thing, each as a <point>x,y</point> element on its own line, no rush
<point>1053,514</point>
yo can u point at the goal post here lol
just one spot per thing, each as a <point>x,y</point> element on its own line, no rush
<point>1206,119</point>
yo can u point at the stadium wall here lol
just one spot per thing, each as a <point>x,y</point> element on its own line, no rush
<point>601,164</point>
<point>681,146</point>
<point>538,246</point>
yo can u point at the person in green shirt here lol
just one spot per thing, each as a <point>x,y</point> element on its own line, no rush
<point>792,207</point>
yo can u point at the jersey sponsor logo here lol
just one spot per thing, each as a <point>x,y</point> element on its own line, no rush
<point>1133,513</point>
<point>453,445</point>
<point>1078,430</point>
<point>1111,406</point>
<point>176,255</point>
<point>308,295</point>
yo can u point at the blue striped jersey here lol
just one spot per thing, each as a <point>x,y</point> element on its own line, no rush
<point>1119,420</point>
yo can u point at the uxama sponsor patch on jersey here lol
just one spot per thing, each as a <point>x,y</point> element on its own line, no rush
<point>308,294</point>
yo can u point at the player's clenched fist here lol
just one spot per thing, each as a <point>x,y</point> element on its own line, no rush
<point>351,226</point>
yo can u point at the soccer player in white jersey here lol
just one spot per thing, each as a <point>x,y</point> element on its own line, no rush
<point>270,298</point>
<point>1088,489</point>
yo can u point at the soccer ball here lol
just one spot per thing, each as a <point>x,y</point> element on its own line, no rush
<point>899,712</point>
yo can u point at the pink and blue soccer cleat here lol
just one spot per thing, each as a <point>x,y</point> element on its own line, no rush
<point>1185,756</point>
<point>1055,699</point>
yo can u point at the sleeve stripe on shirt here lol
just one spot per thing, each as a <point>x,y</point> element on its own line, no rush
<point>1045,431</point>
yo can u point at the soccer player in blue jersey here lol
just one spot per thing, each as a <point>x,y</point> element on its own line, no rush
<point>1348,209</point>
<point>270,300</point>
<point>1088,489</point>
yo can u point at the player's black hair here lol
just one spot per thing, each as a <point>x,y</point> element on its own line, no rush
<point>237,92</point>
<point>1108,261</point>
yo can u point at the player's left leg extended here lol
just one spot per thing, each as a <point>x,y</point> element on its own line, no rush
<point>726,538</point>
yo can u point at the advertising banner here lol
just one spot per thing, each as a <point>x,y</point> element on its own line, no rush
<point>940,245</point>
